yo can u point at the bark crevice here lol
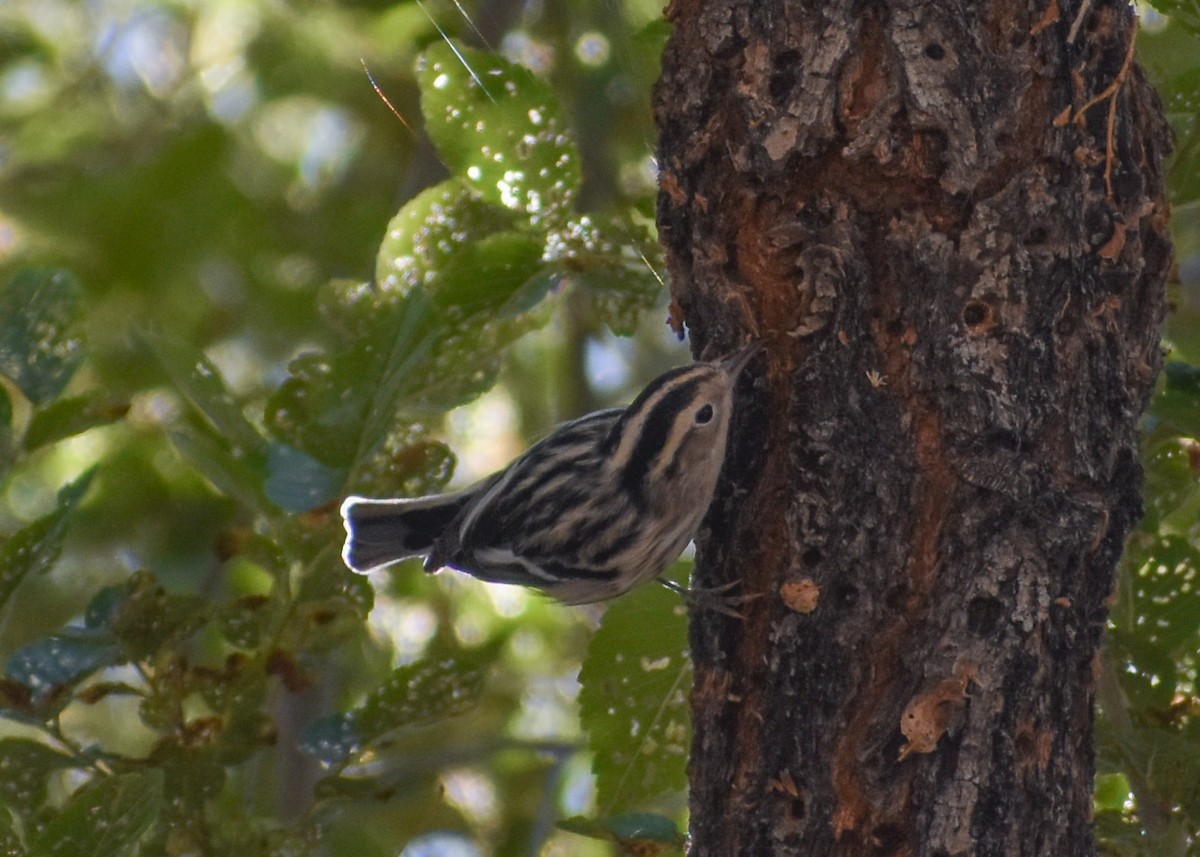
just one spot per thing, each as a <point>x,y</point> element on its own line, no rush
<point>939,466</point>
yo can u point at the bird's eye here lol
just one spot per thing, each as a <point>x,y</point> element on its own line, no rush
<point>704,415</point>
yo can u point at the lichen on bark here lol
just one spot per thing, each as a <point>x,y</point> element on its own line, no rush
<point>948,221</point>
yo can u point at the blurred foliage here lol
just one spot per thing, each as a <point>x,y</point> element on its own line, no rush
<point>198,359</point>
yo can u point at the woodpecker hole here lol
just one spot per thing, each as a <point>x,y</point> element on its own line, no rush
<point>887,840</point>
<point>977,314</point>
<point>983,614</point>
<point>935,51</point>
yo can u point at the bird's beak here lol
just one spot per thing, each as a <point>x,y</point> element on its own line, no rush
<point>735,363</point>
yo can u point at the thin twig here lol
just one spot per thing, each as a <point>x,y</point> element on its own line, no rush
<point>1078,22</point>
<point>1110,94</point>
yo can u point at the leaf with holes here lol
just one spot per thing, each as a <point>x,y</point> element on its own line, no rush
<point>1167,596</point>
<point>49,666</point>
<point>412,694</point>
<point>36,546</point>
<point>39,351</point>
<point>635,683</point>
<point>501,128</point>
<point>149,618</point>
<point>105,818</point>
<point>614,264</point>
<point>25,768</point>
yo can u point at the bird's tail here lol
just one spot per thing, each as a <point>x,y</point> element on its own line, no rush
<point>381,532</point>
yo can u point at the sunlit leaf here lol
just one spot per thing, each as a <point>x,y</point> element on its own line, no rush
<point>616,265</point>
<point>38,350</point>
<point>500,128</point>
<point>413,694</point>
<point>634,687</point>
<point>36,546</point>
<point>69,417</point>
<point>1112,791</point>
<point>105,818</point>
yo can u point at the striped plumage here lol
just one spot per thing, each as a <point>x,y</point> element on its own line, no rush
<point>603,503</point>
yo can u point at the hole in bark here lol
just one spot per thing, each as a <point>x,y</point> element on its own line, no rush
<point>785,79</point>
<point>983,614</point>
<point>976,313</point>
<point>895,327</point>
<point>887,839</point>
<point>811,557</point>
<point>845,594</point>
<point>935,51</point>
<point>1004,439</point>
<point>1037,235</point>
<point>897,598</point>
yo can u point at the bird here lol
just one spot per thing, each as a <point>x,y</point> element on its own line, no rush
<point>600,505</point>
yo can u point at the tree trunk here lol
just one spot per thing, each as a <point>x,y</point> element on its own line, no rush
<point>948,221</point>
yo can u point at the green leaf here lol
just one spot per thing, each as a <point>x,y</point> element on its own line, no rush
<point>36,546</point>
<point>297,482</point>
<point>1112,791</point>
<point>242,621</point>
<point>105,818</point>
<point>38,352</point>
<point>25,768</point>
<point>634,686</point>
<point>10,841</point>
<point>150,618</point>
<point>69,417</point>
<point>1169,760</point>
<point>57,662</point>
<point>199,381</point>
<point>337,406</point>
<point>1166,600</point>
<point>456,284</point>
<point>408,464</point>
<point>1183,11</point>
<point>7,453</point>
<point>615,264</point>
<point>500,128</point>
<point>431,244</point>
<point>640,833</point>
<point>231,474</point>
<point>1151,680</point>
<point>412,694</point>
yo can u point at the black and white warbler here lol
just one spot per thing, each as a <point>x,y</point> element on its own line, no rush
<point>603,503</point>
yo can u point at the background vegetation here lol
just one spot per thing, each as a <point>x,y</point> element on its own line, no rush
<point>235,287</point>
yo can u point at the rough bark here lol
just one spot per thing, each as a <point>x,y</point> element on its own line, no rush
<point>948,219</point>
